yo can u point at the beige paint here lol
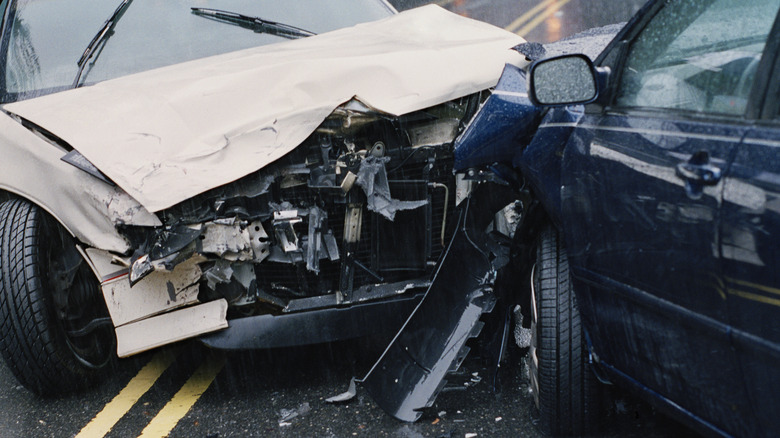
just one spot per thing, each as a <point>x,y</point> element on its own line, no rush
<point>105,266</point>
<point>157,293</point>
<point>171,327</point>
<point>30,167</point>
<point>159,309</point>
<point>168,134</point>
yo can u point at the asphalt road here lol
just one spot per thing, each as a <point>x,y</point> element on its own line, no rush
<point>281,393</point>
<point>189,391</point>
<point>539,20</point>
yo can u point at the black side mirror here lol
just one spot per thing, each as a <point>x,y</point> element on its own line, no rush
<point>563,80</point>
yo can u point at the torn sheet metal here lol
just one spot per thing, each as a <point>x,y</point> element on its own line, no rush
<point>228,241</point>
<point>221,272</point>
<point>372,177</point>
<point>161,134</point>
<point>504,122</point>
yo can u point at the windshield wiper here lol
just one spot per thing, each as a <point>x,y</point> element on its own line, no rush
<point>100,38</point>
<point>256,24</point>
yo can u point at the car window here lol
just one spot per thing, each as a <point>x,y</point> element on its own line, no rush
<point>44,39</point>
<point>698,55</point>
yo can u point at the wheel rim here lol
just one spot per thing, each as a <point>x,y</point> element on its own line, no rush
<point>79,310</point>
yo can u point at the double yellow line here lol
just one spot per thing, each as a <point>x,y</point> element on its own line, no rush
<point>171,413</point>
<point>534,16</point>
<point>529,20</point>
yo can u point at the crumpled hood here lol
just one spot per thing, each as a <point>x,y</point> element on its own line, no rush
<point>168,134</point>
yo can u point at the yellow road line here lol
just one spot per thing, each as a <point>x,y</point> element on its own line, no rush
<point>760,287</point>
<point>755,297</point>
<point>535,22</point>
<point>162,424</point>
<point>530,13</point>
<point>127,398</point>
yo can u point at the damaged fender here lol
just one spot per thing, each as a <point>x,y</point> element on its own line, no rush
<point>87,207</point>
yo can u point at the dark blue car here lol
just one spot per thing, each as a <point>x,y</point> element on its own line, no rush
<point>652,210</point>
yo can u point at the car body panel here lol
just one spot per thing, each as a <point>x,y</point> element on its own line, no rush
<point>328,324</point>
<point>749,256</point>
<point>137,337</point>
<point>89,209</point>
<point>642,205</point>
<point>624,208</point>
<point>505,120</point>
<point>160,134</point>
<point>432,342</point>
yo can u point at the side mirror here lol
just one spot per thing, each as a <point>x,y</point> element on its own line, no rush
<point>563,80</point>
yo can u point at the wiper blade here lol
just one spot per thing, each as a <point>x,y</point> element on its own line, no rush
<point>101,36</point>
<point>256,24</point>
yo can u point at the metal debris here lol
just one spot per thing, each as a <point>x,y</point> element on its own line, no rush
<point>372,177</point>
<point>344,396</point>
<point>288,414</point>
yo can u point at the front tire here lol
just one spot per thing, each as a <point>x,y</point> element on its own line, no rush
<point>54,332</point>
<point>564,386</point>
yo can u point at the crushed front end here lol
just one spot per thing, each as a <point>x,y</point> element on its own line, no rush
<point>358,213</point>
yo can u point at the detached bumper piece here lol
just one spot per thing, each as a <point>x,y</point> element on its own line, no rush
<point>314,326</point>
<point>411,371</point>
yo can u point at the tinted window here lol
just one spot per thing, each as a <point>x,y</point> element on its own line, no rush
<point>45,38</point>
<point>698,55</point>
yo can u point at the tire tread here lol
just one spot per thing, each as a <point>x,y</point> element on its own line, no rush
<point>29,342</point>
<point>568,401</point>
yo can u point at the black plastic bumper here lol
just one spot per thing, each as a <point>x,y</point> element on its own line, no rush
<point>314,326</point>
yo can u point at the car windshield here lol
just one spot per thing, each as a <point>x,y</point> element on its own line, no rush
<point>43,40</point>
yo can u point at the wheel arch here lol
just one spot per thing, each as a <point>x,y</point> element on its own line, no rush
<point>8,194</point>
<point>89,209</point>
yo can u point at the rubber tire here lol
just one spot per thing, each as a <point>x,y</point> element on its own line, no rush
<point>32,338</point>
<point>566,390</point>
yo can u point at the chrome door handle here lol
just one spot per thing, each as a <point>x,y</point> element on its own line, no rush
<point>705,174</point>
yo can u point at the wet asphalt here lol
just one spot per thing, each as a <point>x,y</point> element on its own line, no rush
<point>282,392</point>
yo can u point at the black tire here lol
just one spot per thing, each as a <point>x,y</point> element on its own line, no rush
<point>564,386</point>
<point>54,332</point>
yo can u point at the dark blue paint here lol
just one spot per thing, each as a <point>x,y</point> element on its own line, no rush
<point>504,122</point>
<point>540,162</point>
<point>676,276</point>
<point>432,342</point>
<point>749,229</point>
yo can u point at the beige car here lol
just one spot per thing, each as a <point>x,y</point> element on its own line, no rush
<point>254,175</point>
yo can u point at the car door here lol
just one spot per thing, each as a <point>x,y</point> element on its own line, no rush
<point>642,186</point>
<point>751,249</point>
